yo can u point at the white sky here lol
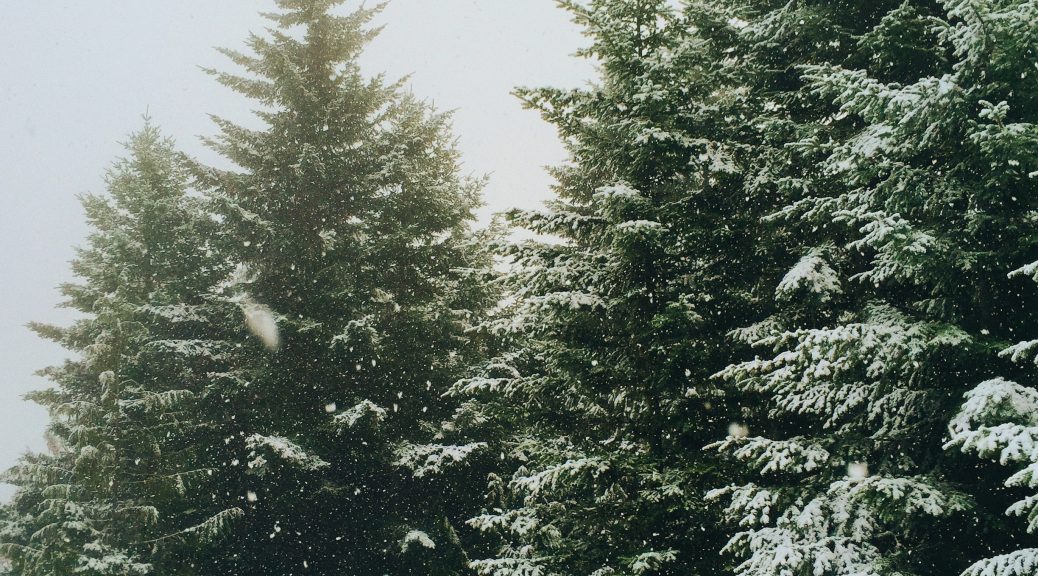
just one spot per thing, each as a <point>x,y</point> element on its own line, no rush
<point>75,78</point>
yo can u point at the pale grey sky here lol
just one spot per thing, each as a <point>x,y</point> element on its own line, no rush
<point>75,78</point>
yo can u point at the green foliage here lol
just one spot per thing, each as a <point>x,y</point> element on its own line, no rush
<point>358,279</point>
<point>124,420</point>
<point>601,398</point>
<point>806,222</point>
<point>907,190</point>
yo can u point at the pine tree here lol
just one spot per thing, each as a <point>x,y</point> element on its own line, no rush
<point>347,220</point>
<point>900,148</point>
<point>619,306</point>
<point>122,412</point>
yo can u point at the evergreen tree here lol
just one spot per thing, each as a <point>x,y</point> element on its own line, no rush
<point>122,412</point>
<point>900,146</point>
<point>347,220</point>
<point>619,307</point>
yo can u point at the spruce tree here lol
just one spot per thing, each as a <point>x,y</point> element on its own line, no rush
<point>618,308</point>
<point>348,222</point>
<point>900,149</point>
<point>123,413</point>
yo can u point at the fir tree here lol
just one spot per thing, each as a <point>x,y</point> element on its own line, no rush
<point>901,145</point>
<point>347,220</point>
<point>619,308</point>
<point>122,413</point>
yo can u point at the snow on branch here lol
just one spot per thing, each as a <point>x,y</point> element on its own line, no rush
<point>158,401</point>
<point>812,275</point>
<point>649,562</point>
<point>366,410</point>
<point>775,456</point>
<point>551,477</point>
<point>284,449</point>
<point>431,459</point>
<point>999,421</point>
<point>1019,563</point>
<point>508,567</point>
<point>416,538</point>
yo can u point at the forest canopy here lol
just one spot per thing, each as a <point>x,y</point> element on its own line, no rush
<point>775,321</point>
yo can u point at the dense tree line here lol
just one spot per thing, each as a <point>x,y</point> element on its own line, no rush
<point>780,318</point>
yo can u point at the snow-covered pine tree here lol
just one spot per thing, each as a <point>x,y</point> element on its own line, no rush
<point>619,308</point>
<point>998,44</point>
<point>347,219</point>
<point>123,427</point>
<point>904,152</point>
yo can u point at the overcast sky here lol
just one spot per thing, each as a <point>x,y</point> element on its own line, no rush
<point>76,77</point>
